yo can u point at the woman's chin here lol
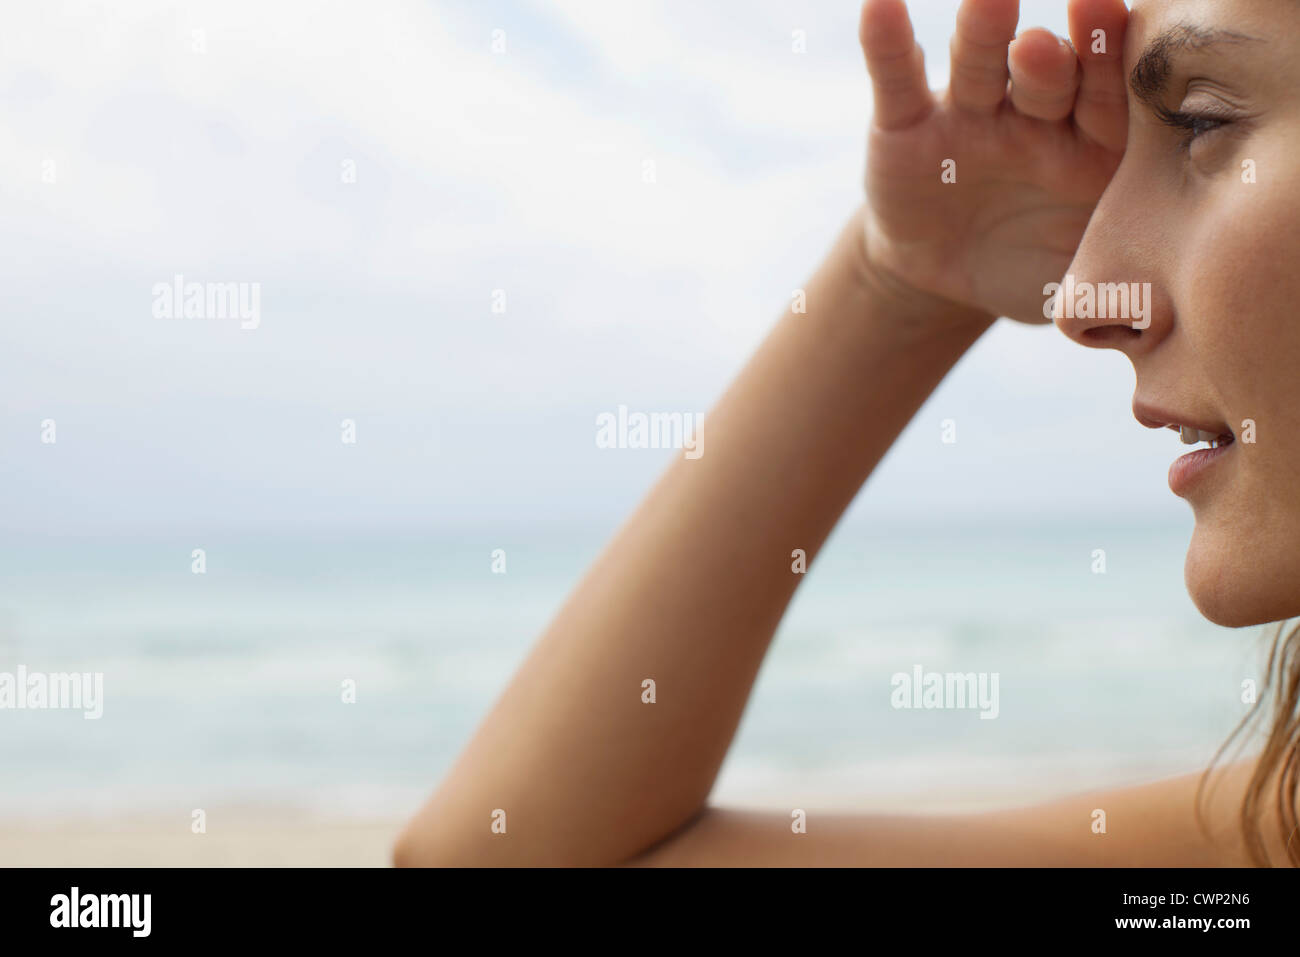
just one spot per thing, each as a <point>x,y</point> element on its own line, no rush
<point>1229,586</point>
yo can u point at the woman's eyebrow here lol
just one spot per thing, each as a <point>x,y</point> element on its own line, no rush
<point>1151,74</point>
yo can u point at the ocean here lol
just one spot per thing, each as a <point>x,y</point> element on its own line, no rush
<point>225,688</point>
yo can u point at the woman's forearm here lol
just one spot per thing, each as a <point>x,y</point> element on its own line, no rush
<point>691,589</point>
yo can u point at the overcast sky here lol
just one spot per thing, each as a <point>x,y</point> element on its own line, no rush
<point>218,140</point>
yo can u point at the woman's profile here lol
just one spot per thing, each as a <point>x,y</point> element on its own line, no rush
<point>1135,184</point>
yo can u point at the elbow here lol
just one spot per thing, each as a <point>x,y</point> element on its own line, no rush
<point>414,849</point>
<point>405,852</point>
<point>425,844</point>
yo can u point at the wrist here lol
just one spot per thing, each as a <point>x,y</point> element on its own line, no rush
<point>907,303</point>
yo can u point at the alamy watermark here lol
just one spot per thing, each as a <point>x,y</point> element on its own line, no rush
<point>41,690</point>
<point>946,691</point>
<point>651,430</point>
<point>1130,301</point>
<point>179,299</point>
<point>128,911</point>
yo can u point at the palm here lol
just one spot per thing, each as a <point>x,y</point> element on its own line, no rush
<point>973,198</point>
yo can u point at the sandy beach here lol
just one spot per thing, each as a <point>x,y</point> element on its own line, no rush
<point>261,837</point>
<point>235,838</point>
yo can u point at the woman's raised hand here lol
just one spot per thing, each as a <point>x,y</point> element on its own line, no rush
<point>980,194</point>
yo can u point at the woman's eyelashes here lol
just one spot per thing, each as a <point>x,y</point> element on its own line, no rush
<point>1193,125</point>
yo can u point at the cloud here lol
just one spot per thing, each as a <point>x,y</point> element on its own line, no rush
<point>211,140</point>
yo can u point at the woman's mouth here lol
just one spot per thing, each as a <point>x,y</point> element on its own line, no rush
<point>1186,471</point>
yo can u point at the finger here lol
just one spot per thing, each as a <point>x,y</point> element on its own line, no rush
<point>979,53</point>
<point>901,93</point>
<point>1101,106</point>
<point>1044,75</point>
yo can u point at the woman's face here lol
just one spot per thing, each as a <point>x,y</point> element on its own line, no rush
<point>1207,210</point>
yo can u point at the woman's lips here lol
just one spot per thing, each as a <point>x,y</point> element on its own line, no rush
<point>1192,427</point>
<point>1189,469</point>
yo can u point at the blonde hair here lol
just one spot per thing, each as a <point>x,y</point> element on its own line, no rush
<point>1279,761</point>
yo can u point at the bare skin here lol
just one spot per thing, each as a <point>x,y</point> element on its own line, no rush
<point>691,589</point>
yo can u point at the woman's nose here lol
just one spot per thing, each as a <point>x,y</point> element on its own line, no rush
<point>1111,297</point>
<point>1107,313</point>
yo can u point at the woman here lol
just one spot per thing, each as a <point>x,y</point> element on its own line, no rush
<point>1158,149</point>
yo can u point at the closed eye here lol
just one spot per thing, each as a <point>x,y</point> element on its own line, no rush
<point>1192,125</point>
